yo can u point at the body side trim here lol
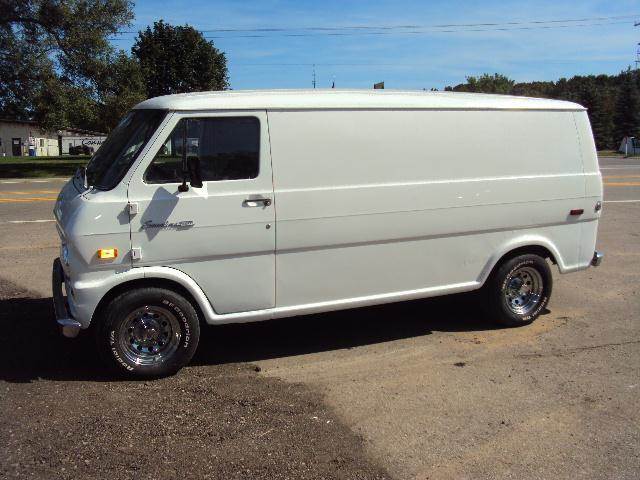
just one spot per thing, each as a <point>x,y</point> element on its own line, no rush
<point>213,318</point>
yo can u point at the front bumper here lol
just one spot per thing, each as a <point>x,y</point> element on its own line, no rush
<point>70,327</point>
<point>596,261</point>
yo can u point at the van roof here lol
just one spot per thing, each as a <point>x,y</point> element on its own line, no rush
<point>349,99</point>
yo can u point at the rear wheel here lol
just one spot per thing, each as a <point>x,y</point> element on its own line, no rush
<point>519,290</point>
<point>148,332</point>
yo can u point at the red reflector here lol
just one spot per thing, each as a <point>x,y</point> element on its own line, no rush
<point>576,211</point>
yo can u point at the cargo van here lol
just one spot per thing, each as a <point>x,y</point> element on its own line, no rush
<point>222,207</point>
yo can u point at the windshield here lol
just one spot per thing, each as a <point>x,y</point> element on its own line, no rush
<point>114,157</point>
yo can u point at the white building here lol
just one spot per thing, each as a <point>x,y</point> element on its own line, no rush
<point>24,137</point>
<point>630,146</point>
<point>90,142</point>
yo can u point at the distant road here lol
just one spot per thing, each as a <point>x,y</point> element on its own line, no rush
<point>621,177</point>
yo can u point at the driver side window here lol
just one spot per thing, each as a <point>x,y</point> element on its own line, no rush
<point>228,149</point>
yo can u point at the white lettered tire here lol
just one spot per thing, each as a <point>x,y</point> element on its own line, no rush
<point>148,332</point>
<point>519,290</point>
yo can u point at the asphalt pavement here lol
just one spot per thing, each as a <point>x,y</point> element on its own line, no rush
<point>432,390</point>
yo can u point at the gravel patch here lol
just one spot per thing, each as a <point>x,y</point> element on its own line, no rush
<point>60,417</point>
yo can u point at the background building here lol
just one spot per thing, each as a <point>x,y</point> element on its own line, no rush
<point>23,137</point>
<point>630,146</point>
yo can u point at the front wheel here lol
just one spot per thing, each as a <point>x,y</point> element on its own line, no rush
<point>148,332</point>
<point>519,290</point>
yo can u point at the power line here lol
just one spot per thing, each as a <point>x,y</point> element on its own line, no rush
<point>401,27</point>
<point>445,25</point>
<point>416,32</point>
<point>266,32</point>
<point>369,65</point>
<point>409,32</point>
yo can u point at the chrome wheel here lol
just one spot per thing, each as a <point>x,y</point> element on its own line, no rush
<point>523,292</point>
<point>149,335</point>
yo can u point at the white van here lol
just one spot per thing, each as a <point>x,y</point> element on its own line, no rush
<point>241,206</point>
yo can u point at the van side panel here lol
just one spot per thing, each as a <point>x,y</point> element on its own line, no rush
<point>376,202</point>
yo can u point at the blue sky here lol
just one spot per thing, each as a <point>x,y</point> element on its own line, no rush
<point>408,61</point>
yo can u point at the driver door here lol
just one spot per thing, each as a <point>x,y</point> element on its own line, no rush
<point>222,235</point>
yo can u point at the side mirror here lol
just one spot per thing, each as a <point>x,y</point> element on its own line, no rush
<point>195,173</point>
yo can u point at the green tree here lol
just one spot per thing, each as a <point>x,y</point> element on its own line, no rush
<point>627,115</point>
<point>59,58</point>
<point>600,110</point>
<point>25,68</point>
<point>178,60</point>
<point>534,89</point>
<point>74,32</point>
<point>60,104</point>
<point>120,87</point>
<point>487,83</point>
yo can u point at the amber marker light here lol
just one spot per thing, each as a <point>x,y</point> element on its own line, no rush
<point>107,253</point>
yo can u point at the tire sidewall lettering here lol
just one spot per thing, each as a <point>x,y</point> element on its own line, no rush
<point>185,337</point>
<point>535,313</point>
<point>186,329</point>
<point>543,301</point>
<point>115,353</point>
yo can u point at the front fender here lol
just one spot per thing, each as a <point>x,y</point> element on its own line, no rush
<point>92,288</point>
<point>184,280</point>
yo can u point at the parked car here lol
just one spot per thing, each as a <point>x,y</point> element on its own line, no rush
<point>80,150</point>
<point>243,206</point>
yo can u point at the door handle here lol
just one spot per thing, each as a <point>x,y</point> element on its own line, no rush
<point>256,202</point>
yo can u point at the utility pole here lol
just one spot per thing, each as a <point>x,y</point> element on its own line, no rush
<point>637,24</point>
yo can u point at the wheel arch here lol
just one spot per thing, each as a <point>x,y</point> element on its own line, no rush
<point>162,279</point>
<point>542,248</point>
